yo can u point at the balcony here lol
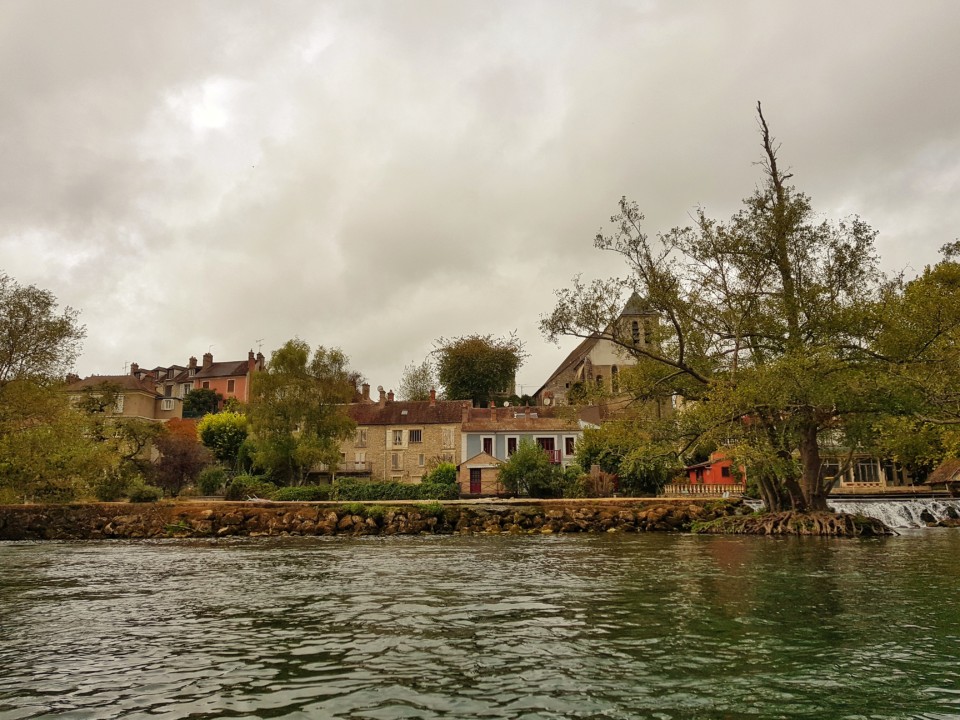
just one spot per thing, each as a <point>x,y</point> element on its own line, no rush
<point>556,456</point>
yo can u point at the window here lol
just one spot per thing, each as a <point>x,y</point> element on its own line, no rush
<point>395,461</point>
<point>635,332</point>
<point>421,460</point>
<point>193,371</point>
<point>725,471</point>
<point>168,390</point>
<point>415,436</point>
<point>206,385</point>
<point>511,446</point>
<point>568,445</point>
<point>448,437</point>
<point>166,405</point>
<point>118,404</point>
<point>488,445</point>
<point>398,437</point>
<point>647,332</point>
<point>360,459</point>
<point>600,381</point>
<point>615,378</point>
<point>184,389</point>
<point>361,440</point>
<point>231,385</point>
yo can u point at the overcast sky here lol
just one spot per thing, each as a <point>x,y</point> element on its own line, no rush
<point>375,175</point>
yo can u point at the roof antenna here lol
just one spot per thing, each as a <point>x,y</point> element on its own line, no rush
<point>259,344</point>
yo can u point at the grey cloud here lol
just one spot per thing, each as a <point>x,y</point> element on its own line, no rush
<point>375,175</point>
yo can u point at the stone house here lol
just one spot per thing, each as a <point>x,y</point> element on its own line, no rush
<point>400,441</point>
<point>136,397</point>
<point>489,436</point>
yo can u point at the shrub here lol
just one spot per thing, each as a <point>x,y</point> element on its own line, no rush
<point>112,486</point>
<point>211,480</point>
<point>140,493</point>
<point>442,474</point>
<point>248,486</point>
<point>304,493</point>
<point>353,490</point>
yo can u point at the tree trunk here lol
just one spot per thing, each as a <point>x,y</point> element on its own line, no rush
<point>811,482</point>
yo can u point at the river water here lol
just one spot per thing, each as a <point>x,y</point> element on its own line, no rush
<point>612,626</point>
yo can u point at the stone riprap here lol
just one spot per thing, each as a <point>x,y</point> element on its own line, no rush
<point>97,521</point>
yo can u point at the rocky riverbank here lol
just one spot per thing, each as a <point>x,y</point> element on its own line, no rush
<point>97,521</point>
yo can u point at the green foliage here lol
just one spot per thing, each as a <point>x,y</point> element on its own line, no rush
<point>626,449</point>
<point>417,381</point>
<point>296,411</point>
<point>355,509</point>
<point>224,433</point>
<point>443,474</point>
<point>348,489</point>
<point>530,472</point>
<point>304,493</point>
<point>775,329</point>
<point>211,480</point>
<point>48,452</point>
<point>243,487</point>
<point>201,402</point>
<point>434,509</point>
<point>37,343</point>
<point>140,493</point>
<point>114,485</point>
<point>475,367</point>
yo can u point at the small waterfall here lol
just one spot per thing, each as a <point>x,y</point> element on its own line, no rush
<point>902,513</point>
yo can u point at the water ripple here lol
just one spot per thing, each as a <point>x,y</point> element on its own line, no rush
<point>482,627</point>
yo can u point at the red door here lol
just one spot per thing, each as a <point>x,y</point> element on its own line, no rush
<point>476,486</point>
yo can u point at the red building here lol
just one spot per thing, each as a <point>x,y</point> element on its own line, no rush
<point>718,470</point>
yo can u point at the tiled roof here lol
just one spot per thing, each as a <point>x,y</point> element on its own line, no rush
<point>125,382</point>
<point>231,368</point>
<point>534,419</point>
<point>946,472</point>
<point>417,412</point>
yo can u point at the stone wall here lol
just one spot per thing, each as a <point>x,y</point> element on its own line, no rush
<point>225,519</point>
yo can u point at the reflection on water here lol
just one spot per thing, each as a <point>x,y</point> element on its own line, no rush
<point>621,626</point>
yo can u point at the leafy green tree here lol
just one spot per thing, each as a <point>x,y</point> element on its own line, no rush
<point>46,453</point>
<point>477,367</point>
<point>418,381</point>
<point>530,472</point>
<point>36,342</point>
<point>768,334</point>
<point>443,474</point>
<point>296,413</point>
<point>224,434</point>
<point>626,449</point>
<point>200,402</point>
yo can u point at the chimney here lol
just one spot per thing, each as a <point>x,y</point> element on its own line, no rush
<point>251,361</point>
<point>366,392</point>
<point>433,397</point>
<point>260,360</point>
<point>383,395</point>
<point>192,363</point>
<point>207,360</point>
<point>390,396</point>
<point>134,368</point>
<point>465,412</point>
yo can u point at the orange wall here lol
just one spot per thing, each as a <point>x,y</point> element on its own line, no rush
<point>220,385</point>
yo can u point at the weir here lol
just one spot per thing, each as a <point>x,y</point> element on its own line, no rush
<point>901,513</point>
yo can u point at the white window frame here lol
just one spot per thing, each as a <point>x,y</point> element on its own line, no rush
<point>410,436</point>
<point>396,461</point>
<point>421,460</point>
<point>564,448</point>
<point>493,444</point>
<point>506,444</point>
<point>361,438</point>
<point>166,404</point>
<point>449,438</point>
<point>397,437</point>
<point>118,403</point>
